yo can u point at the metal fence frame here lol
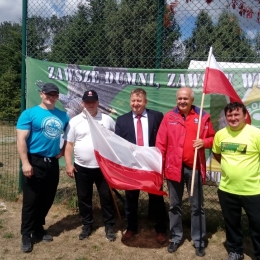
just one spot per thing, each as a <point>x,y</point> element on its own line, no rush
<point>211,202</point>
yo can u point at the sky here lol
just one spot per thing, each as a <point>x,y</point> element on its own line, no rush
<point>11,10</point>
<point>186,14</point>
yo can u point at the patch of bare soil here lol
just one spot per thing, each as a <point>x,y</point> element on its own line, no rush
<point>65,225</point>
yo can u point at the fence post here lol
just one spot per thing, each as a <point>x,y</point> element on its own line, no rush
<point>159,37</point>
<point>23,77</point>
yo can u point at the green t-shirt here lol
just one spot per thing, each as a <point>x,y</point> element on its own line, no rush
<point>240,160</point>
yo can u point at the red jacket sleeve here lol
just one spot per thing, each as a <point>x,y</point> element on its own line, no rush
<point>208,134</point>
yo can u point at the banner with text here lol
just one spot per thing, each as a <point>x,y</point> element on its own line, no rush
<point>114,85</point>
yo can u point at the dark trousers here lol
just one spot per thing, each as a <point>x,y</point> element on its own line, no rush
<point>85,178</point>
<point>198,222</point>
<point>157,209</point>
<point>231,205</point>
<point>38,192</point>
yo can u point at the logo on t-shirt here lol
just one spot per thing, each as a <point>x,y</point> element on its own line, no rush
<point>52,127</point>
<point>233,147</point>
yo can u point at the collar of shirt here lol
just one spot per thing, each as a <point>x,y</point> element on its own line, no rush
<point>144,114</point>
<point>98,115</point>
<point>191,112</point>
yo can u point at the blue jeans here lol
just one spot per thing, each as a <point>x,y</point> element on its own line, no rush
<point>198,223</point>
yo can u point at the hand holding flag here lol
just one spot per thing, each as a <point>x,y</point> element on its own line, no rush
<point>215,82</point>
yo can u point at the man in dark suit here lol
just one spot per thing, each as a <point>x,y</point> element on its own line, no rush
<point>140,127</point>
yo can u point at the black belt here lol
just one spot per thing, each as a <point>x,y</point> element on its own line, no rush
<point>45,158</point>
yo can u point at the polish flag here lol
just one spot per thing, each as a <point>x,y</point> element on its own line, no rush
<point>126,166</point>
<point>216,82</point>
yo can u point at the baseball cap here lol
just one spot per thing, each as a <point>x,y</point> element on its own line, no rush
<point>90,95</point>
<point>49,87</point>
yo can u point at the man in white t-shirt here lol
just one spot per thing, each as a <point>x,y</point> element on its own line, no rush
<point>86,169</point>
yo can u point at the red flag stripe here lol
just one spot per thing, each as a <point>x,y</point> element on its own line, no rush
<point>218,83</point>
<point>125,178</point>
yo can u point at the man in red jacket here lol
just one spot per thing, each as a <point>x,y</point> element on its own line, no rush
<point>177,142</point>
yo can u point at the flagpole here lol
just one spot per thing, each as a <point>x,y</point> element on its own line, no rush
<point>199,126</point>
<point>115,203</point>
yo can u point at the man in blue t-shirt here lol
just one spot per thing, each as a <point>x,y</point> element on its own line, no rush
<point>38,143</point>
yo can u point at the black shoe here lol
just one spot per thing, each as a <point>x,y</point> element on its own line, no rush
<point>235,256</point>
<point>110,235</point>
<point>86,232</point>
<point>172,247</point>
<point>200,251</point>
<point>26,244</point>
<point>42,236</point>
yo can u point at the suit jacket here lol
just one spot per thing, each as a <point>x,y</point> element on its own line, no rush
<point>125,126</point>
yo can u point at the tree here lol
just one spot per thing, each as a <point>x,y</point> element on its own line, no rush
<point>38,35</point>
<point>97,41</point>
<point>10,69</point>
<point>230,42</point>
<point>198,45</point>
<point>257,45</point>
<point>10,47</point>
<point>243,7</point>
<point>71,43</point>
<point>10,95</point>
<point>131,31</point>
<point>172,51</point>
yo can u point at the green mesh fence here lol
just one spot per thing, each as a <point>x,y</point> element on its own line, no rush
<point>9,162</point>
<point>143,34</point>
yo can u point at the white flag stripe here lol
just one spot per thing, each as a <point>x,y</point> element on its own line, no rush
<point>214,64</point>
<point>211,62</point>
<point>116,149</point>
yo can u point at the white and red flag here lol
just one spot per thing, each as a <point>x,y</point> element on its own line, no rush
<point>216,82</point>
<point>126,166</point>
